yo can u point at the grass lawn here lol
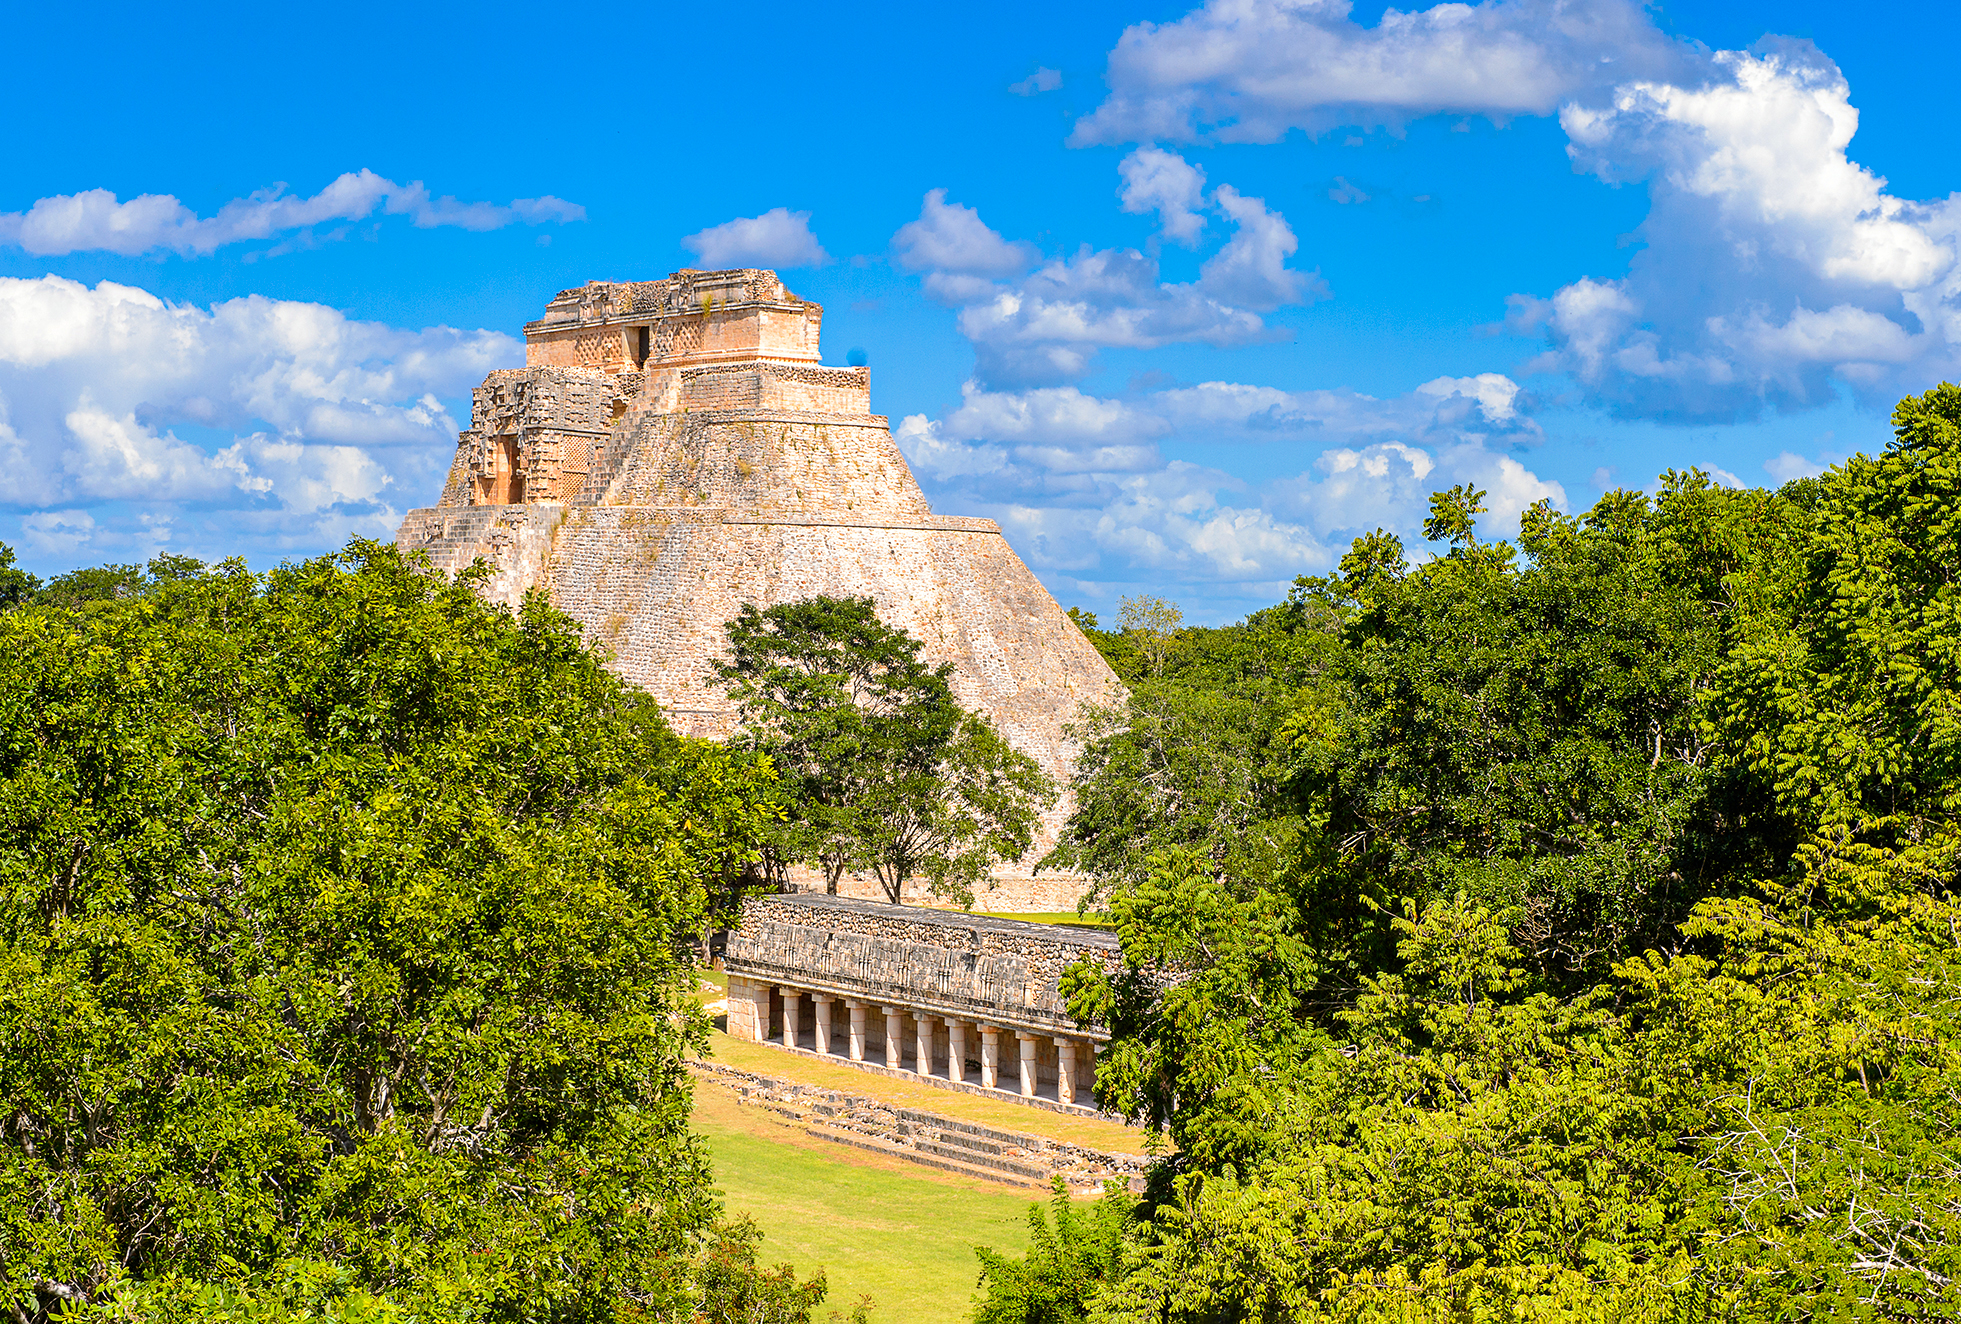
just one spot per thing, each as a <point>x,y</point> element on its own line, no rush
<point>1066,917</point>
<point>901,1234</point>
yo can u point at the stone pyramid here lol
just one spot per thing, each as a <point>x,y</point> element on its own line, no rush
<point>675,448</point>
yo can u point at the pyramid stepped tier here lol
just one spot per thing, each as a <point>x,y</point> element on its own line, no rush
<point>674,449</point>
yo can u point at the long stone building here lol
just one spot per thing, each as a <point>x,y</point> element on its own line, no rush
<point>675,448</point>
<point>967,1000</point>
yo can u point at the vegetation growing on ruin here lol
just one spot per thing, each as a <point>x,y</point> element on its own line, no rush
<point>1560,930</point>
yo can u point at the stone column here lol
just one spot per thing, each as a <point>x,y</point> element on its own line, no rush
<point>1027,1042</point>
<point>857,1010</point>
<point>922,1030</point>
<point>895,1036</point>
<point>822,1002</point>
<point>990,1057</point>
<point>1065,1070</point>
<point>956,1048</point>
<point>790,997</point>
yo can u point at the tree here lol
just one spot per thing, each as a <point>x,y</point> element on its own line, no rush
<point>1619,977</point>
<point>885,771</point>
<point>16,585</point>
<point>1196,758</point>
<point>1153,623</point>
<point>101,583</point>
<point>344,956</point>
<point>1068,1259</point>
<point>956,799</point>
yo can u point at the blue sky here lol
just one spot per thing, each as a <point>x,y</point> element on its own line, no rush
<point>1186,297</point>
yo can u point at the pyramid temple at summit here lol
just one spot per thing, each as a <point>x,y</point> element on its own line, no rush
<point>673,449</point>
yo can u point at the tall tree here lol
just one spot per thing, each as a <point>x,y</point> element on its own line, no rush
<point>884,769</point>
<point>1198,757</point>
<point>16,585</point>
<point>343,953</point>
<point>1625,980</point>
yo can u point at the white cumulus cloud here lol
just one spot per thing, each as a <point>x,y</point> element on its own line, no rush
<point>959,254</point>
<point>778,238</point>
<point>1251,270</point>
<point>1155,180</point>
<point>1250,70</point>
<point>1085,487</point>
<point>1044,326</point>
<point>1777,269</point>
<point>96,221</point>
<point>290,416</point>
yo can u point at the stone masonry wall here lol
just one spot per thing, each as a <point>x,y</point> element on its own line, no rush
<point>793,386</point>
<point>997,971</point>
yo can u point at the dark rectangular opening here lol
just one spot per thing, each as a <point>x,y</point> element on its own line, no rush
<point>643,343</point>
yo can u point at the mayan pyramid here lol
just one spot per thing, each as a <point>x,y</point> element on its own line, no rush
<point>675,448</point>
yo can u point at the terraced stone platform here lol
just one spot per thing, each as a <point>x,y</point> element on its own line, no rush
<point>929,1139</point>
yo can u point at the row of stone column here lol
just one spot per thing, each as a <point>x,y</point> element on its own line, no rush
<point>923,1037</point>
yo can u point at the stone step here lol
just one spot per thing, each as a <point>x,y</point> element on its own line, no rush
<point>1006,1139</point>
<point>1036,1172</point>
<point>952,1137</point>
<point>887,1147</point>
<point>925,1137</point>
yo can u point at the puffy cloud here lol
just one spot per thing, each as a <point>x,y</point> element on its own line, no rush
<point>60,533</point>
<point>1349,491</point>
<point>1155,180</point>
<point>1044,327</point>
<point>959,254</point>
<point>1042,80</point>
<point>932,452</point>
<point>1251,270</point>
<point>777,238</point>
<point>1177,525</point>
<point>1250,70</point>
<point>1787,465</point>
<point>1767,149</point>
<point>1496,394</point>
<point>1084,486</point>
<point>296,421</point>
<point>118,457</point>
<point>1776,269</point>
<point>95,220</point>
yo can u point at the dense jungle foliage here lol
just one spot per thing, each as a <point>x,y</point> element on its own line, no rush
<point>1560,931</point>
<point>345,967</point>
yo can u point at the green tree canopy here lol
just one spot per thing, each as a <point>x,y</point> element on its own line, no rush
<point>1616,974</point>
<point>16,585</point>
<point>884,769</point>
<point>345,933</point>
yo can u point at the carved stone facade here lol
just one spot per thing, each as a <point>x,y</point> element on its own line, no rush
<point>966,999</point>
<point>675,448</point>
